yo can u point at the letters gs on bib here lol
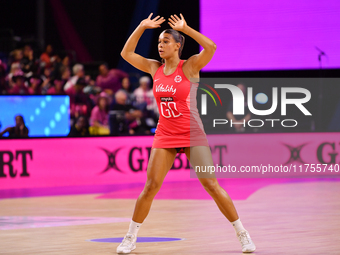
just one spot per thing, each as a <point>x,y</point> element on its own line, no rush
<point>169,108</point>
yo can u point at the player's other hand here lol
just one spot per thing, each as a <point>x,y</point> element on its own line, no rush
<point>152,23</point>
<point>177,23</point>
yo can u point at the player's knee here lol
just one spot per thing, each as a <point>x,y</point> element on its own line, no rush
<point>151,188</point>
<point>211,186</point>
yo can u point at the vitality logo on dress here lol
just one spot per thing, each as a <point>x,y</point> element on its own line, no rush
<point>167,88</point>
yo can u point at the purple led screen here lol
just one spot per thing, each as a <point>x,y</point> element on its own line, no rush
<point>272,35</point>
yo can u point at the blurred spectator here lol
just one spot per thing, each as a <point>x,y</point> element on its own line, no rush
<point>65,73</point>
<point>57,64</point>
<point>15,57</point>
<point>99,114</point>
<point>124,118</point>
<point>46,58</point>
<point>61,66</point>
<point>79,101</point>
<point>89,81</point>
<point>66,62</point>
<point>110,80</point>
<point>78,71</point>
<point>80,127</point>
<point>3,83</point>
<point>19,130</point>
<point>126,87</point>
<point>18,86</point>
<point>47,79</point>
<point>57,88</point>
<point>239,119</point>
<point>15,68</point>
<point>28,63</point>
<point>143,95</point>
<point>34,85</point>
<point>99,119</point>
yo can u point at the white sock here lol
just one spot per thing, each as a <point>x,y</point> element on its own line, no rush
<point>134,227</point>
<point>237,224</point>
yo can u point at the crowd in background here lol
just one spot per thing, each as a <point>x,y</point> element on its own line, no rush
<point>101,105</point>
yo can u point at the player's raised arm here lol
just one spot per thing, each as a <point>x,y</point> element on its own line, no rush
<point>128,53</point>
<point>198,61</point>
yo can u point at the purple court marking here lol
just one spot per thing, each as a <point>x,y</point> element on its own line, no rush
<point>21,222</point>
<point>139,239</point>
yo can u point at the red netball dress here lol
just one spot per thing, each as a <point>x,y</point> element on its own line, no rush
<point>179,123</point>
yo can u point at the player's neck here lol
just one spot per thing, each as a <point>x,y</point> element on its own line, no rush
<point>171,63</point>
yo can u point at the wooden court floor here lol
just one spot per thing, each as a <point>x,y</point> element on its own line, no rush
<point>289,218</point>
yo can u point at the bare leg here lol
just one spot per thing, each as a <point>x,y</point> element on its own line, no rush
<point>160,163</point>
<point>201,156</point>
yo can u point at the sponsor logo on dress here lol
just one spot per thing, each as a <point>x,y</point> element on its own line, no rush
<point>178,78</point>
<point>167,88</point>
<point>167,99</point>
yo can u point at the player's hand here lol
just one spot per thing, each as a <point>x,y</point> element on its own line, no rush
<point>177,23</point>
<point>152,23</point>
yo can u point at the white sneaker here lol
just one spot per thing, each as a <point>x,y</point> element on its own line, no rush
<point>246,242</point>
<point>128,244</point>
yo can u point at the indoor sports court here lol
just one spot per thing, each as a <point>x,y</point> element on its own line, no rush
<point>95,223</point>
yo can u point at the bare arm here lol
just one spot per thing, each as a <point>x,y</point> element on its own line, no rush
<point>198,61</point>
<point>6,130</point>
<point>128,53</point>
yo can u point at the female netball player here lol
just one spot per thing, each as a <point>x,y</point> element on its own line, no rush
<point>179,127</point>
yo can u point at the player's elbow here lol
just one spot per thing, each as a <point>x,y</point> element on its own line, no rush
<point>213,47</point>
<point>123,54</point>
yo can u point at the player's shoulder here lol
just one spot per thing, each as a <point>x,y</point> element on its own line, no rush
<point>188,69</point>
<point>190,60</point>
<point>154,66</point>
